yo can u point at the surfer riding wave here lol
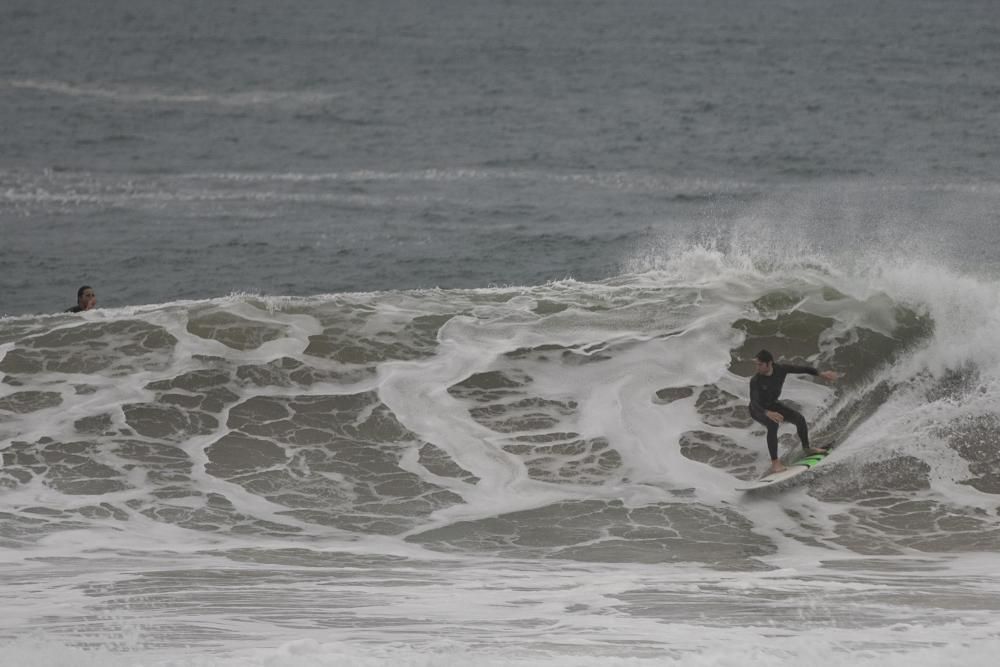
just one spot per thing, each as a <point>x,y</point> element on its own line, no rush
<point>766,409</point>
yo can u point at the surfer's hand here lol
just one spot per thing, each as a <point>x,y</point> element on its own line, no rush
<point>776,417</point>
<point>829,375</point>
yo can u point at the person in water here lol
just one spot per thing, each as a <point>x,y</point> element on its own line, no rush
<point>86,299</point>
<point>766,409</point>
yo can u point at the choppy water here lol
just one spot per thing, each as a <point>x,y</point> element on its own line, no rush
<point>425,333</point>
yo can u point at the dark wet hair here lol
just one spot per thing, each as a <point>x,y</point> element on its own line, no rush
<point>80,291</point>
<point>764,356</point>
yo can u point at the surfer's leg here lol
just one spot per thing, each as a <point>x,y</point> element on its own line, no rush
<point>772,440</point>
<point>772,445</point>
<point>796,418</point>
<point>772,432</point>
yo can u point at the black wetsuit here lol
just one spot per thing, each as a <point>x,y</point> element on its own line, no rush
<point>764,393</point>
<point>74,309</point>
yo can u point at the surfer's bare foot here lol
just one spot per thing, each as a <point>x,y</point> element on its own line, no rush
<point>777,466</point>
<point>817,450</point>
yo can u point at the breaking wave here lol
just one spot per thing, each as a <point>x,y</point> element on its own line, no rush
<point>600,422</point>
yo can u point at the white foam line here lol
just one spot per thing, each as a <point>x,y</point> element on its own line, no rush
<point>162,197</point>
<point>624,181</point>
<point>137,95</point>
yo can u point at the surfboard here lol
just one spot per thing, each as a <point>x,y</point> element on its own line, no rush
<point>792,470</point>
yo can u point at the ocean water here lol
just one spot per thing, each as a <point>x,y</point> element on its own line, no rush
<point>425,332</point>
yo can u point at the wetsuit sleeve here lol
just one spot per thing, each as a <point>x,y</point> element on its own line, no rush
<point>756,400</point>
<point>809,370</point>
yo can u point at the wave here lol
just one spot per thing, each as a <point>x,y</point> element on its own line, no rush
<point>315,653</point>
<point>591,421</point>
<point>141,95</point>
<point>691,188</point>
<point>82,187</point>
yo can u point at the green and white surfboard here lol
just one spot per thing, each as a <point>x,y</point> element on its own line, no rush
<point>792,470</point>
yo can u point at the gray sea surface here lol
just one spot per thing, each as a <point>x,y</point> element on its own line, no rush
<point>188,150</point>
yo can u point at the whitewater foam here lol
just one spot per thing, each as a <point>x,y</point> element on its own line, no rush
<point>503,467</point>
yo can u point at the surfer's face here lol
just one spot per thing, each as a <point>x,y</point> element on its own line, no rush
<point>87,300</point>
<point>764,367</point>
